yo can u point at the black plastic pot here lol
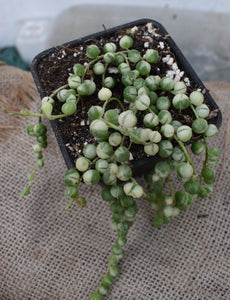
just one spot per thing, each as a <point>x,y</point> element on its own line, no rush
<point>145,164</point>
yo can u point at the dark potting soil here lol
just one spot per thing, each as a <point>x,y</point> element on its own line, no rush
<point>54,69</point>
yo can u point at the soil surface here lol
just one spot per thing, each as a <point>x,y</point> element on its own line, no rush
<point>55,67</point>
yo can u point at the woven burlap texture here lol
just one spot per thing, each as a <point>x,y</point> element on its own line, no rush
<point>17,91</point>
<point>47,253</point>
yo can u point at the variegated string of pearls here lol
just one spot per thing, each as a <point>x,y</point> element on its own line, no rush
<point>147,97</point>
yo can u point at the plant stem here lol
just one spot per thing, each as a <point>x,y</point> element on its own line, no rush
<point>69,204</point>
<point>91,63</point>
<point>126,132</point>
<point>130,143</point>
<point>206,156</point>
<point>58,90</point>
<point>113,99</point>
<point>150,110</point>
<point>194,111</point>
<point>32,178</point>
<point>54,117</point>
<point>103,75</point>
<point>27,113</point>
<point>133,180</point>
<point>185,152</point>
<point>23,112</point>
<point>125,57</point>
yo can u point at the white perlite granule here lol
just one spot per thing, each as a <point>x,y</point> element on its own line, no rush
<point>151,29</point>
<point>166,58</point>
<point>113,70</point>
<point>187,81</point>
<point>147,37</point>
<point>175,73</point>
<point>170,74</point>
<point>181,74</point>
<point>170,61</point>
<point>175,66</point>
<point>134,29</point>
<point>161,45</point>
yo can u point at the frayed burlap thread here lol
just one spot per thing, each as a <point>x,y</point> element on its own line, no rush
<point>47,253</point>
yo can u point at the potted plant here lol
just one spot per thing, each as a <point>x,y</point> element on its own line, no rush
<point>126,102</point>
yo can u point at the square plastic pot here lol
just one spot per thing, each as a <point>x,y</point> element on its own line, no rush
<point>142,165</point>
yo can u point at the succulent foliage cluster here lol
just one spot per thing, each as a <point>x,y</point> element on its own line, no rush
<point>142,116</point>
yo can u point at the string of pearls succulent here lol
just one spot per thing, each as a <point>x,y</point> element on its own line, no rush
<point>145,115</point>
<point>151,97</point>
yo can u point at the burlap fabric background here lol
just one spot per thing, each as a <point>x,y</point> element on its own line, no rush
<point>46,253</point>
<point>17,90</point>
